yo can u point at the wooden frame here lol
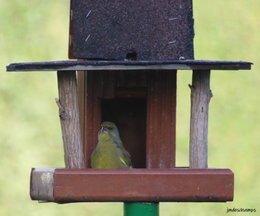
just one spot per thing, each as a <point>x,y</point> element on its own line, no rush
<point>144,185</point>
<point>160,93</point>
<point>159,90</point>
<point>139,185</point>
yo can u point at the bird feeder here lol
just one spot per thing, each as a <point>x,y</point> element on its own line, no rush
<point>128,54</point>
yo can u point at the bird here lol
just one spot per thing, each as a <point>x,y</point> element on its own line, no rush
<point>110,152</point>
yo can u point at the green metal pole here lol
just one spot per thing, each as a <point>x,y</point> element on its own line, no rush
<point>141,209</point>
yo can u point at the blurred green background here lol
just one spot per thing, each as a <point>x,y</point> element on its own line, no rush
<point>30,136</point>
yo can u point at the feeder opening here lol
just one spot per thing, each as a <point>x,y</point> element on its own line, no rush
<point>131,56</point>
<point>129,114</point>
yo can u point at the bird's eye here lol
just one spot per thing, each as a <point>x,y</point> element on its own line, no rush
<point>109,128</point>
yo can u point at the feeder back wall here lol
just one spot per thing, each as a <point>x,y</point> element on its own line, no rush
<point>141,103</point>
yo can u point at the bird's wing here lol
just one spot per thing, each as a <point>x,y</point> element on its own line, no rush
<point>124,157</point>
<point>119,144</point>
<point>125,164</point>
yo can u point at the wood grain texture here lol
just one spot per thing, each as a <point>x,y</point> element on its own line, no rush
<point>161,119</point>
<point>81,76</point>
<point>92,113</point>
<point>200,98</point>
<point>138,185</point>
<point>144,185</point>
<point>69,118</point>
<point>41,184</point>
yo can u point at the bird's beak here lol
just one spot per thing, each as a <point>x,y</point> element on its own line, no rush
<point>104,130</point>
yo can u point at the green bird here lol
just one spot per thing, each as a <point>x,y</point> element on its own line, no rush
<point>110,152</point>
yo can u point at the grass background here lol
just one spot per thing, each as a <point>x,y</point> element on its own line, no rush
<point>30,136</point>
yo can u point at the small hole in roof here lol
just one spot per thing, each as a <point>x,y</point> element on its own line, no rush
<point>131,56</point>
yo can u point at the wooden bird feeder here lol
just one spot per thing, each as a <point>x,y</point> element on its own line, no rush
<point>128,55</point>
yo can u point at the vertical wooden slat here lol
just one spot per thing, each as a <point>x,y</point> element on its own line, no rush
<point>161,119</point>
<point>98,85</point>
<point>107,86</point>
<point>69,118</point>
<point>200,98</point>
<point>92,112</point>
<point>81,98</point>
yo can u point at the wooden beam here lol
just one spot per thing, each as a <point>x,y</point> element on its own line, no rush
<point>161,120</point>
<point>69,119</point>
<point>130,65</point>
<point>92,112</point>
<point>138,185</point>
<point>200,98</point>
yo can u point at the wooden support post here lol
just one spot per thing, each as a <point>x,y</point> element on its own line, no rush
<point>69,118</point>
<point>200,98</point>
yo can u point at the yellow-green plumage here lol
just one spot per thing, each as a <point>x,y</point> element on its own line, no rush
<point>110,152</point>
